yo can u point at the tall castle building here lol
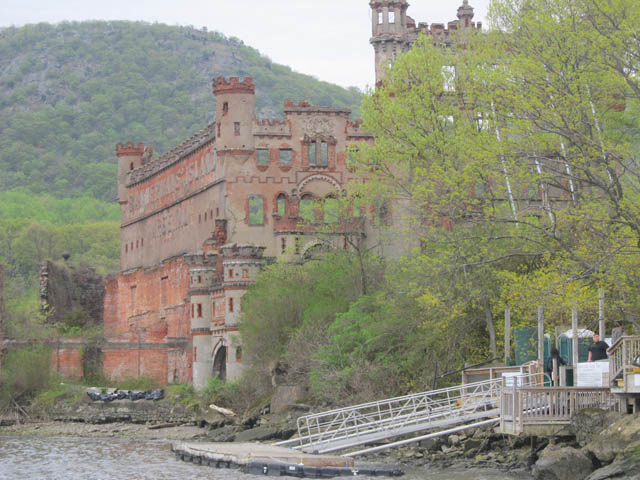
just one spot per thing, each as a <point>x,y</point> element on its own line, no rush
<point>200,221</point>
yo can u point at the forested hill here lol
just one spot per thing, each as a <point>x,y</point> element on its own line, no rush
<point>70,92</point>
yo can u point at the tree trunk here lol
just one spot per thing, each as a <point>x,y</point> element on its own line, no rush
<point>490,327</point>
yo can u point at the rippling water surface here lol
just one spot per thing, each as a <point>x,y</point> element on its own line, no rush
<point>72,458</point>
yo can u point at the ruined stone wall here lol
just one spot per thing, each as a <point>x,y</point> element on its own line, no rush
<point>172,211</point>
<point>67,290</point>
<point>146,323</point>
<point>305,131</point>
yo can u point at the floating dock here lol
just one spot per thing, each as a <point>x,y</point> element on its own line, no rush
<point>260,459</point>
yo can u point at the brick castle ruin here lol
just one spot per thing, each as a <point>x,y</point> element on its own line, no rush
<point>199,221</point>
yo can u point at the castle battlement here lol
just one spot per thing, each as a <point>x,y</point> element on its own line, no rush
<point>307,108</point>
<point>272,127</point>
<point>233,85</point>
<point>129,149</point>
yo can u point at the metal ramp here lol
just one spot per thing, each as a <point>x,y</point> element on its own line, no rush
<point>439,410</point>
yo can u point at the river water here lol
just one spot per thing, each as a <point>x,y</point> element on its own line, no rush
<point>73,458</point>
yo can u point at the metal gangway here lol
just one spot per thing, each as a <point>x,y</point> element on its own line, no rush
<point>440,412</point>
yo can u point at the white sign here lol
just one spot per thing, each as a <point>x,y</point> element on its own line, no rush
<point>510,378</point>
<point>636,380</point>
<point>593,374</point>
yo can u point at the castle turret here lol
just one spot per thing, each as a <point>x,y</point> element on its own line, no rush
<point>465,14</point>
<point>129,158</point>
<point>389,32</point>
<point>235,113</point>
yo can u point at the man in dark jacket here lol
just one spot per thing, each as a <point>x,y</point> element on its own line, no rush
<point>598,349</point>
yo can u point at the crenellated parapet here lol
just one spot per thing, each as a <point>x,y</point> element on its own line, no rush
<point>223,85</point>
<point>354,130</point>
<point>129,149</point>
<point>272,128</point>
<point>306,108</point>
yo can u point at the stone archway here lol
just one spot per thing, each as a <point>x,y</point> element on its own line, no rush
<point>220,363</point>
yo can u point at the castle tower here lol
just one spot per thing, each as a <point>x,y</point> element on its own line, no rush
<point>465,14</point>
<point>129,158</point>
<point>235,113</point>
<point>389,32</point>
<point>202,279</point>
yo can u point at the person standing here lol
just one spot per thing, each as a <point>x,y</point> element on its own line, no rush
<point>598,349</point>
<point>555,355</point>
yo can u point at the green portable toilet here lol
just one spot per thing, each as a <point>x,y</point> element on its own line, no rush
<point>526,345</point>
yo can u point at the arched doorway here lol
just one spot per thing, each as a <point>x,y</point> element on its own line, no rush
<point>220,363</point>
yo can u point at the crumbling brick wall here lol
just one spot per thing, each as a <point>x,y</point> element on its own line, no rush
<point>70,290</point>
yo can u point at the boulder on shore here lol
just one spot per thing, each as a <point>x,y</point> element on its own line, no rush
<point>562,463</point>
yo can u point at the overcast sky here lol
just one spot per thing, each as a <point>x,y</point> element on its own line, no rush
<point>328,39</point>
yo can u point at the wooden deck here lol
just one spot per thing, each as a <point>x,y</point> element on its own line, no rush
<point>547,410</point>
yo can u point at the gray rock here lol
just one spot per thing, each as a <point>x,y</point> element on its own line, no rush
<point>472,444</point>
<point>587,424</point>
<point>562,463</point>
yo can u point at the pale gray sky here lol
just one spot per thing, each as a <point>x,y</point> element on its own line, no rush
<point>328,39</point>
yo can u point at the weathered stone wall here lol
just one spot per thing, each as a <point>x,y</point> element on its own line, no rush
<point>66,290</point>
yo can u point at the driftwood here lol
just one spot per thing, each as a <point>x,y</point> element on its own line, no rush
<point>166,425</point>
<point>224,411</point>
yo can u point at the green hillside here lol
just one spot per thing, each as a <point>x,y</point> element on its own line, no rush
<point>70,92</point>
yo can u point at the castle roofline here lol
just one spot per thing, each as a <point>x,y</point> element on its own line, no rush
<point>173,156</point>
<point>306,107</point>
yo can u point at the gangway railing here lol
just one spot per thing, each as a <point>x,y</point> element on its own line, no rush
<point>376,421</point>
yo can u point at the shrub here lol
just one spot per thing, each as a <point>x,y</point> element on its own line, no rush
<point>25,373</point>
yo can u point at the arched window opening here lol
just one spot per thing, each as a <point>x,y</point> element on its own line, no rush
<point>306,208</point>
<point>281,205</point>
<point>331,210</point>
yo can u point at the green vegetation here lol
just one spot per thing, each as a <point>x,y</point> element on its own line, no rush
<point>25,373</point>
<point>527,196</point>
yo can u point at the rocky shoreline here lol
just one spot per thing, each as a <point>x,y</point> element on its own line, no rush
<point>597,446</point>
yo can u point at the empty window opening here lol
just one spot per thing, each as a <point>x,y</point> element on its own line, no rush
<point>231,273</point>
<point>205,216</point>
<point>133,298</point>
<point>283,244</point>
<point>282,205</point>
<point>231,305</point>
<point>142,242</point>
<point>331,210</point>
<point>193,310</point>
<point>236,128</point>
<point>136,243</point>
<point>131,166</point>
<point>219,128</point>
<point>225,108</point>
<point>256,210</point>
<point>126,248</point>
<point>392,17</point>
<point>245,273</point>
<point>285,156</point>
<point>131,245</point>
<point>164,290</point>
<point>199,310</point>
<point>238,354</point>
<point>313,161</point>
<point>449,74</point>
<point>263,156</point>
<point>195,354</point>
<point>297,245</point>
<point>380,18</point>
<point>199,218</point>
<point>306,209</point>
<point>199,278</point>
<point>217,212</point>
<point>324,154</point>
